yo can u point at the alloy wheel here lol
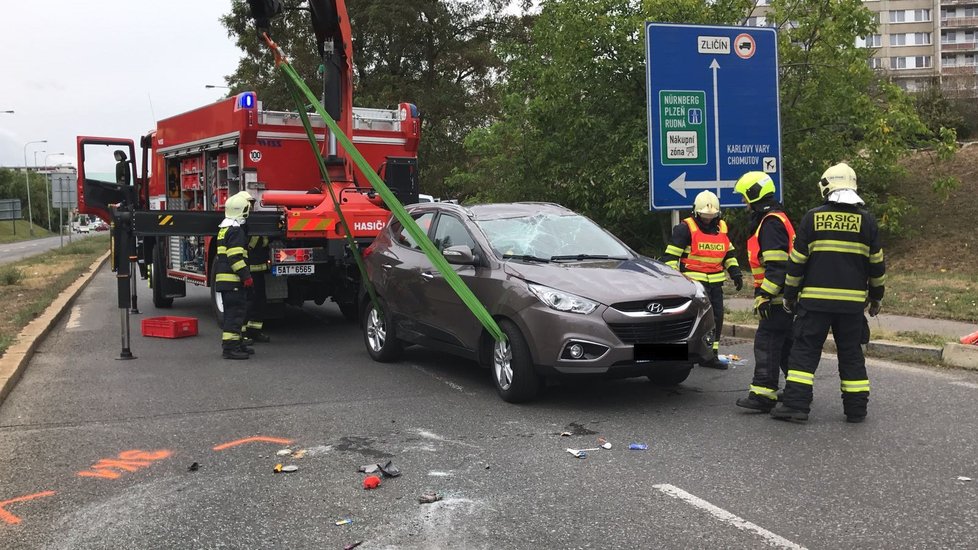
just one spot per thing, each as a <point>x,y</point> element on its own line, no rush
<point>376,331</point>
<point>502,363</point>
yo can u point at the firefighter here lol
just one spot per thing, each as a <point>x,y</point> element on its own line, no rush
<point>836,271</point>
<point>768,247</point>
<point>258,260</point>
<point>232,278</point>
<point>700,248</point>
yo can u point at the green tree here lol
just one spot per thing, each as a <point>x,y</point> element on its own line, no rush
<point>436,54</point>
<point>12,186</point>
<point>573,129</point>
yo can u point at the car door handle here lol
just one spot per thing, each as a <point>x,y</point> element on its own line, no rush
<point>427,275</point>
<point>386,266</point>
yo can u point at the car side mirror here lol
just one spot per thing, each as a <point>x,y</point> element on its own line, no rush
<point>460,254</point>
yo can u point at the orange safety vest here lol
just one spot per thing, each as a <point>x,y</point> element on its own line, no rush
<point>754,247</point>
<point>703,260</point>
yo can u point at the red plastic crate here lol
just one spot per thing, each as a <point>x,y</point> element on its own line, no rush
<point>170,327</point>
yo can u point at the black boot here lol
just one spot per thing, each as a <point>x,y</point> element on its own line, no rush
<point>855,418</point>
<point>714,363</point>
<point>234,353</point>
<point>247,349</point>
<point>755,403</point>
<point>784,412</point>
<point>258,336</point>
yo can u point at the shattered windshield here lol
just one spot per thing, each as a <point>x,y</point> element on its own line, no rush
<point>551,237</point>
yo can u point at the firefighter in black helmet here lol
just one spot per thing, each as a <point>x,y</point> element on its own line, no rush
<point>836,271</point>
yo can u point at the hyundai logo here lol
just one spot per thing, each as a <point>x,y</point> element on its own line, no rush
<point>654,307</point>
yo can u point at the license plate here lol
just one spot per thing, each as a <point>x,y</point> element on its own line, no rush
<point>294,269</point>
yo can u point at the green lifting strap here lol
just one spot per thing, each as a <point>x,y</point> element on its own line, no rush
<point>464,293</point>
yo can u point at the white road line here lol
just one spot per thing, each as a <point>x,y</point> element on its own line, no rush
<point>74,320</point>
<point>443,380</point>
<point>725,516</point>
<point>971,385</point>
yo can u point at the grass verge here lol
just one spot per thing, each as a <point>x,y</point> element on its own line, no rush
<point>39,280</point>
<point>20,231</point>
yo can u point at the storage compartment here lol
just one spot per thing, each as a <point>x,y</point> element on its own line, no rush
<point>170,327</point>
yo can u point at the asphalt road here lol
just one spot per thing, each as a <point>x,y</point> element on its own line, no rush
<point>15,251</point>
<point>98,451</point>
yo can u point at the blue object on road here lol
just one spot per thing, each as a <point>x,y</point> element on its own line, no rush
<point>638,446</point>
<point>713,110</point>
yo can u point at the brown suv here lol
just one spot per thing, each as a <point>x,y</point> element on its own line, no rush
<point>571,298</point>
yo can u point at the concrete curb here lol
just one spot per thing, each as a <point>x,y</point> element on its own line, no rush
<point>952,354</point>
<point>17,356</point>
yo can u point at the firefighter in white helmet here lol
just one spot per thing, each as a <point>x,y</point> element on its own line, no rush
<point>232,277</point>
<point>836,271</point>
<point>700,248</point>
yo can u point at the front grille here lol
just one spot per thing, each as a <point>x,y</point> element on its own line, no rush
<point>653,332</point>
<point>640,305</point>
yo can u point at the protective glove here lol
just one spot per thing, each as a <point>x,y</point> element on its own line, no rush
<point>762,306</point>
<point>874,307</point>
<point>738,282</point>
<point>249,283</point>
<point>789,306</point>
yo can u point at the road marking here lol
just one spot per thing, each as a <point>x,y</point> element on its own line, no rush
<point>128,461</point>
<point>255,439</point>
<point>74,320</point>
<point>441,379</point>
<point>971,385</point>
<point>725,516</point>
<point>11,519</point>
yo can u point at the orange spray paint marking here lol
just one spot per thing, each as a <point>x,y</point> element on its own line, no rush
<point>255,439</point>
<point>128,461</point>
<point>11,519</point>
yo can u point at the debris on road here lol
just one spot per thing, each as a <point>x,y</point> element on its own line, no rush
<point>369,468</point>
<point>353,545</point>
<point>193,467</point>
<point>371,482</point>
<point>278,469</point>
<point>638,446</point>
<point>581,453</point>
<point>344,521</point>
<point>603,443</point>
<point>389,470</point>
<point>565,434</point>
<point>284,452</point>
<point>428,498</point>
<point>963,478</point>
<point>300,454</point>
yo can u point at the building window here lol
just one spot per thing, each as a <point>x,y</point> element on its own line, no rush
<point>871,41</point>
<point>877,63</point>
<point>909,16</point>
<point>910,39</point>
<point>757,21</point>
<point>912,62</point>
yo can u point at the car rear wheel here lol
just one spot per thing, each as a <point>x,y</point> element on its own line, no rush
<point>378,333</point>
<point>512,366</point>
<point>671,376</point>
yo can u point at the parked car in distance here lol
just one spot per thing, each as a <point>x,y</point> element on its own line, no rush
<point>570,297</point>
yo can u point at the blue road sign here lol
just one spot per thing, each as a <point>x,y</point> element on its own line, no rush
<point>713,110</point>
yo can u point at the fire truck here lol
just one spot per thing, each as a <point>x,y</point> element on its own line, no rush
<point>192,162</point>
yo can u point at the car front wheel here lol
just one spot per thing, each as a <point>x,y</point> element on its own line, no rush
<point>671,376</point>
<point>378,333</point>
<point>512,366</point>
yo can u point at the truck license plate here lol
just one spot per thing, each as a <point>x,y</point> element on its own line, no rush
<point>300,269</point>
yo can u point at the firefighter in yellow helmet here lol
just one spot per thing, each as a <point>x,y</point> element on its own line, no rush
<point>700,248</point>
<point>768,247</point>
<point>232,277</point>
<point>836,271</point>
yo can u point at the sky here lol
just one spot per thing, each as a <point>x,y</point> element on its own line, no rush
<point>107,68</point>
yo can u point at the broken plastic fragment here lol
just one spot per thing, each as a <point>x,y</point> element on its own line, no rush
<point>277,469</point>
<point>299,454</point>
<point>290,468</point>
<point>638,446</point>
<point>603,443</point>
<point>351,546</point>
<point>344,521</point>
<point>963,478</point>
<point>581,453</point>
<point>284,452</point>
<point>565,434</point>
<point>369,468</point>
<point>389,470</point>
<point>371,482</point>
<point>428,498</point>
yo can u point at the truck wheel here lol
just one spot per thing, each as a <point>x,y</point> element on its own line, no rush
<point>512,366</point>
<point>671,376</point>
<point>216,300</point>
<point>378,334</point>
<point>158,278</point>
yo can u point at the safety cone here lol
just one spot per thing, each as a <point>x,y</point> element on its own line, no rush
<point>971,339</point>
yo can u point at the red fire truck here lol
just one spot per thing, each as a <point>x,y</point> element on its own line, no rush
<point>192,162</point>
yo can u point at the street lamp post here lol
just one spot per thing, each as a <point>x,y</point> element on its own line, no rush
<point>27,182</point>
<point>37,171</point>
<point>216,86</point>
<point>47,187</point>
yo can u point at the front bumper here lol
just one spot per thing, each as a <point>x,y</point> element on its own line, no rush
<point>630,345</point>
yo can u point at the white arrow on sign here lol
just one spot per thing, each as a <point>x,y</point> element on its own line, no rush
<point>716,115</point>
<point>680,185</point>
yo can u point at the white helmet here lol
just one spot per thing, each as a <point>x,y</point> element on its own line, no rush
<point>706,205</point>
<point>840,176</point>
<point>238,206</point>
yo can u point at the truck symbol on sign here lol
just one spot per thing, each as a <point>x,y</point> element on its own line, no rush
<point>745,46</point>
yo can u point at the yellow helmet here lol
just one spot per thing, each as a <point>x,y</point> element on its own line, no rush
<point>238,206</point>
<point>707,205</point>
<point>754,186</point>
<point>840,176</point>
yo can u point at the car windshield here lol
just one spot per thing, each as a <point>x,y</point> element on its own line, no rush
<point>549,236</point>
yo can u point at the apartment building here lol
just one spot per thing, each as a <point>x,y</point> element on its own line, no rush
<point>920,43</point>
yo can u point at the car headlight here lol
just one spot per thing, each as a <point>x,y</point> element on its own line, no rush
<point>700,290</point>
<point>562,301</point>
